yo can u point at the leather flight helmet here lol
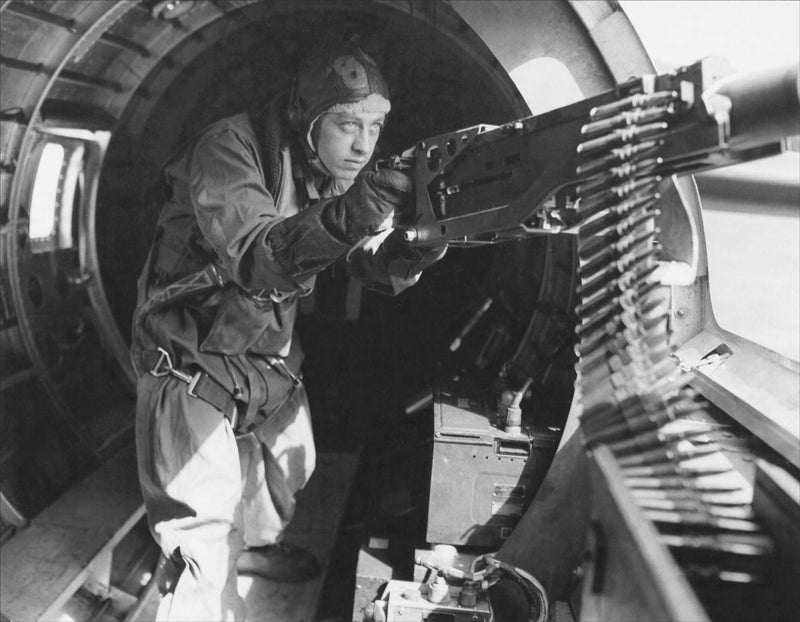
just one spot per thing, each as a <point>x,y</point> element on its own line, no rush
<point>340,78</point>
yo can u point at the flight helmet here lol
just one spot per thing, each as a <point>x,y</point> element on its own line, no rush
<point>341,78</point>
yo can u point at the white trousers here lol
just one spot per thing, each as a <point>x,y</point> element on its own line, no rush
<point>208,494</point>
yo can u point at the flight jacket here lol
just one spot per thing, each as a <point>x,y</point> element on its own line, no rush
<point>226,191</point>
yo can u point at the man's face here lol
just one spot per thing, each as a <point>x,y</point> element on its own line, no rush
<point>346,141</point>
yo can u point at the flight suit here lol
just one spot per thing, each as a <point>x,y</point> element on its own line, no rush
<point>219,467</point>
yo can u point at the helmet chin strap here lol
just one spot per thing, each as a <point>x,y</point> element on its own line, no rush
<point>312,157</point>
<point>334,185</point>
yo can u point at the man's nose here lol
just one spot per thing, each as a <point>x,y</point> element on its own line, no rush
<point>363,142</point>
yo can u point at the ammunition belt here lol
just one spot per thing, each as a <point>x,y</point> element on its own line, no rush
<point>636,398</point>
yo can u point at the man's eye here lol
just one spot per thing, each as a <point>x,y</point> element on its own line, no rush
<point>349,125</point>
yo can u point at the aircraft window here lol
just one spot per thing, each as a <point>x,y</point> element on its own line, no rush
<point>44,199</point>
<point>750,211</point>
<point>752,227</point>
<point>545,83</point>
<point>55,193</point>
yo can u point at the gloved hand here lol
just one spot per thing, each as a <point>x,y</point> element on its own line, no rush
<point>422,255</point>
<point>406,259</point>
<point>374,201</point>
<point>394,265</point>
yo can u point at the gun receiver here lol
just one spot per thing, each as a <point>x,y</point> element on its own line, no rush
<point>485,184</point>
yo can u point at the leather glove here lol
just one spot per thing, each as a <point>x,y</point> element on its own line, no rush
<point>370,205</point>
<point>422,256</point>
<point>395,265</point>
<point>303,244</point>
<point>405,261</point>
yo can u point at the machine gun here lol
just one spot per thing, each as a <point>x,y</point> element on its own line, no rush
<point>484,184</point>
<point>594,169</point>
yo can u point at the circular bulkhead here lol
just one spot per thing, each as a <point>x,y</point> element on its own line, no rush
<point>96,96</point>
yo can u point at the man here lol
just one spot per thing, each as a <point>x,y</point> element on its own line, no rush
<point>256,208</point>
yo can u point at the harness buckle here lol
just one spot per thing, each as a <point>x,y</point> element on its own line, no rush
<point>193,384</point>
<point>163,367</point>
<point>274,295</point>
<point>163,359</point>
<point>210,391</point>
<point>280,365</point>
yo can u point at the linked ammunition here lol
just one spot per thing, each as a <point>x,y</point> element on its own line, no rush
<point>614,215</point>
<point>642,411</point>
<point>743,512</point>
<point>708,463</point>
<point>627,350</point>
<point>674,451</point>
<point>637,398</point>
<point>639,100</point>
<point>638,258</point>
<point>726,482</point>
<point>626,119</point>
<point>622,136</point>
<point>702,519</point>
<point>616,249</point>
<point>669,432</point>
<point>597,328</point>
<point>621,154</point>
<point>631,368</point>
<point>736,543</point>
<point>604,431</point>
<point>613,175</point>
<point>637,219</point>
<point>590,206</point>
<point>736,497</point>
<point>638,291</point>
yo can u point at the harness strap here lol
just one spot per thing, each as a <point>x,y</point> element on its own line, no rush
<point>276,418</point>
<point>267,429</point>
<point>201,385</point>
<point>205,387</point>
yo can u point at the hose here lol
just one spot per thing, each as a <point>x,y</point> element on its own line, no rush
<point>535,594</point>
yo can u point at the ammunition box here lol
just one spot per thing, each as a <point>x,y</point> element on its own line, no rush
<point>482,478</point>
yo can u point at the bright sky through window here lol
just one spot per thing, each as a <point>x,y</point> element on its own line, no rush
<point>753,245</point>
<point>750,34</point>
<point>45,192</point>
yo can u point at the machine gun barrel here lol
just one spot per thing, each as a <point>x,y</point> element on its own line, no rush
<point>764,106</point>
<point>484,184</point>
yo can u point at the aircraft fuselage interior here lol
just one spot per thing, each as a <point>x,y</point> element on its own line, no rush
<point>533,431</point>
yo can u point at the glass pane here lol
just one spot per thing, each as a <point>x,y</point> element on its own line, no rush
<point>546,84</point>
<point>751,214</point>
<point>46,187</point>
<point>750,35</point>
